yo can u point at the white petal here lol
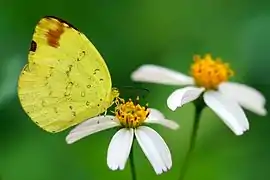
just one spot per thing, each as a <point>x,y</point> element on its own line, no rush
<point>246,96</point>
<point>182,96</point>
<point>155,114</point>
<point>228,110</point>
<point>119,149</point>
<point>91,126</point>
<point>157,74</point>
<point>155,149</point>
<point>157,117</point>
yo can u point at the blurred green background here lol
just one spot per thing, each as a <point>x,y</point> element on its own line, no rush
<point>128,34</point>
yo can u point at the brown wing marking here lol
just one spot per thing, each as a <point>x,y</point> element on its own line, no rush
<point>53,35</point>
<point>55,30</point>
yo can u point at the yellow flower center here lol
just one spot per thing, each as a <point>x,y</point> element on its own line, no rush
<point>130,114</point>
<point>209,73</point>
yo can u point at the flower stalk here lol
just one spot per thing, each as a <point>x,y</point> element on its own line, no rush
<point>132,164</point>
<point>199,106</point>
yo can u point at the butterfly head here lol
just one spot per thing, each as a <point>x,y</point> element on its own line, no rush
<point>115,93</point>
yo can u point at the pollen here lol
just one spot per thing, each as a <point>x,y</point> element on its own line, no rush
<point>131,114</point>
<point>209,73</point>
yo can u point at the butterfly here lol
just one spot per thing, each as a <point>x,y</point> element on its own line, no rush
<point>66,81</point>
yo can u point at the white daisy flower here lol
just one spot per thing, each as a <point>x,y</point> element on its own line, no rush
<point>130,117</point>
<point>209,78</point>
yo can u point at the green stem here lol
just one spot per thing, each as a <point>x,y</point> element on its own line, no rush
<point>199,106</point>
<point>132,166</point>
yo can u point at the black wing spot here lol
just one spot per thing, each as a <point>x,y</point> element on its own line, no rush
<point>101,79</point>
<point>87,103</point>
<point>74,113</point>
<point>68,97</point>
<point>100,99</point>
<point>69,70</point>
<point>36,122</point>
<point>98,105</point>
<point>89,86</point>
<point>81,55</point>
<point>33,46</point>
<point>70,107</point>
<point>96,70</point>
<point>68,88</point>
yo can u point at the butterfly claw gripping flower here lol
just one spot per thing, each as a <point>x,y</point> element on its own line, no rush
<point>210,79</point>
<point>131,117</point>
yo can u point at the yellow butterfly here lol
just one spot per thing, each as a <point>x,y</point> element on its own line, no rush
<point>66,81</point>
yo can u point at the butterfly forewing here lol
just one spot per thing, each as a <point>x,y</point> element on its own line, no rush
<point>66,80</point>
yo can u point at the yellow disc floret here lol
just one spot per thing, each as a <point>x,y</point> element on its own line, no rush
<point>130,114</point>
<point>209,73</point>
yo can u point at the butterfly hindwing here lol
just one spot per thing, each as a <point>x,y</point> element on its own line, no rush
<point>66,80</point>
